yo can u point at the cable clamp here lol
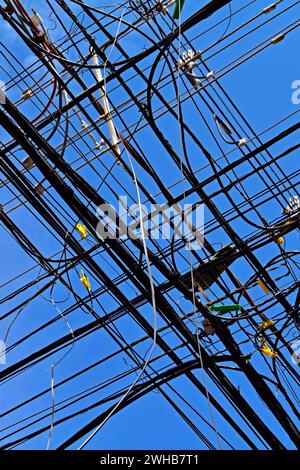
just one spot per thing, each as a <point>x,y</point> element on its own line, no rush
<point>278,39</point>
<point>37,19</point>
<point>269,8</point>
<point>242,142</point>
<point>27,94</point>
<point>210,75</point>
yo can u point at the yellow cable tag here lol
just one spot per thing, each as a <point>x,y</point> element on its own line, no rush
<point>265,349</point>
<point>263,286</point>
<point>267,324</point>
<point>81,229</point>
<point>85,281</point>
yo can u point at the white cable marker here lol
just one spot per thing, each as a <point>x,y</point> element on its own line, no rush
<point>110,123</point>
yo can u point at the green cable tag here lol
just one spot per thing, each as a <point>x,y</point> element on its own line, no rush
<point>178,8</point>
<point>225,308</point>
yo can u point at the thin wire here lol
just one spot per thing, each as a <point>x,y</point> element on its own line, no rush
<point>189,243</point>
<point>148,358</point>
<point>53,366</point>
